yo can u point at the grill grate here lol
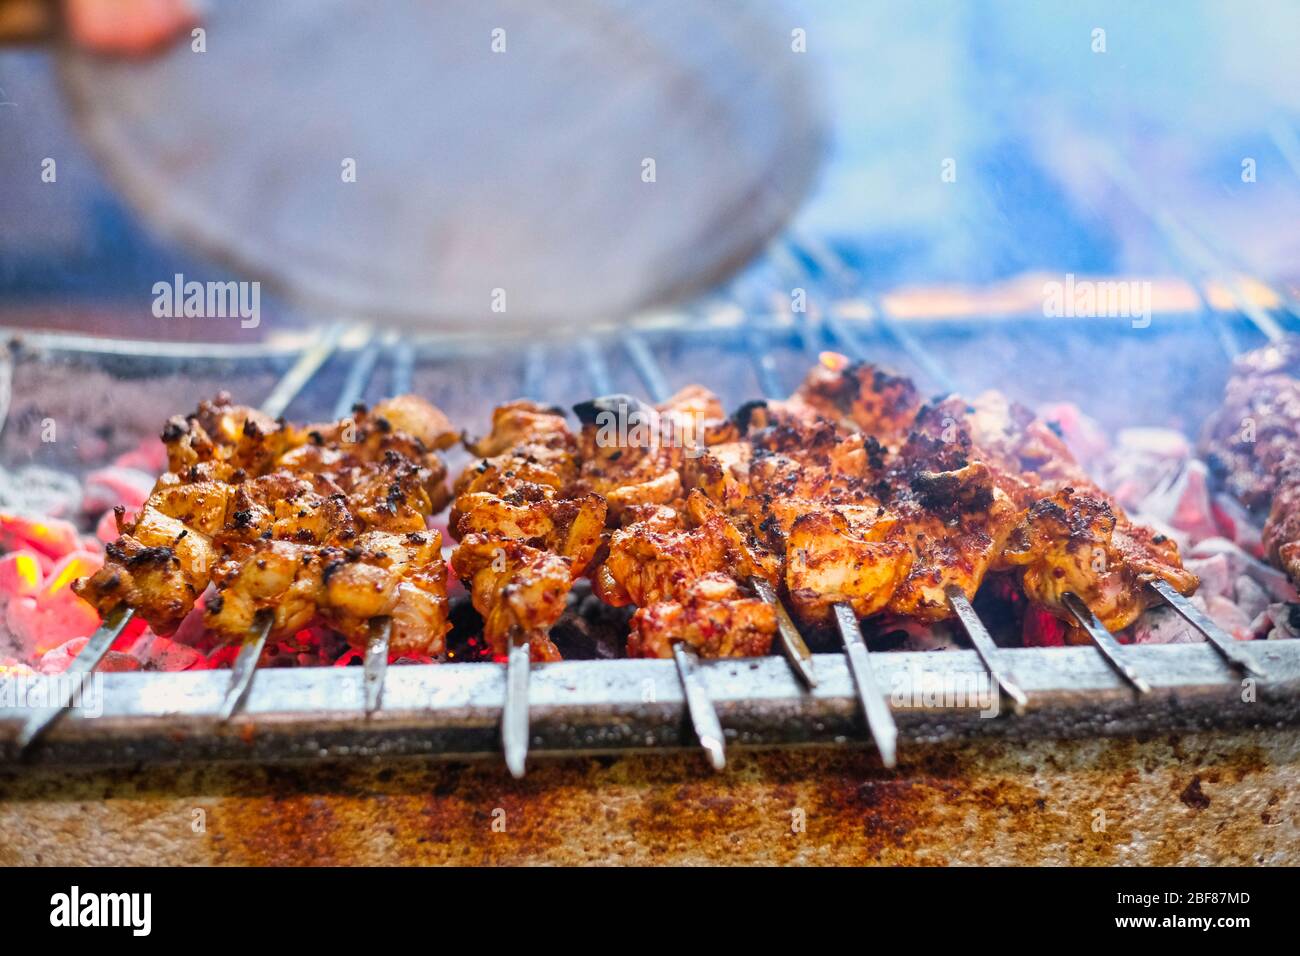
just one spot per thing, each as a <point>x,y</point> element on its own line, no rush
<point>584,705</point>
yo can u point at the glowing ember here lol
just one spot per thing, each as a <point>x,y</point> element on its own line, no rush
<point>834,361</point>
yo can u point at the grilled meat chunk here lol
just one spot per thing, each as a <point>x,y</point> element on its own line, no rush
<point>713,615</point>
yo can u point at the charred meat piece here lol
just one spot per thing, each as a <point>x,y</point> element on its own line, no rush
<point>713,615</point>
<point>1075,541</point>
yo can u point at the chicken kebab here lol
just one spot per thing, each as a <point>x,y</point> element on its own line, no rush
<point>852,491</point>
<point>324,522</point>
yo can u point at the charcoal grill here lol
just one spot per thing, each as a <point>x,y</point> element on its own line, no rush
<point>611,706</point>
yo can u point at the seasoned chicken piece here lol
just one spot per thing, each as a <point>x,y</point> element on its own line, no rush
<point>283,506</point>
<point>200,505</point>
<point>713,615</point>
<point>1073,542</point>
<point>848,394</point>
<point>646,564</point>
<point>525,425</point>
<point>519,590</point>
<point>1248,440</point>
<point>420,419</point>
<point>394,496</point>
<point>350,453</point>
<point>722,473</point>
<point>232,438</point>
<point>629,453</point>
<point>401,576</point>
<point>266,574</point>
<point>1282,530</point>
<point>571,527</point>
<point>954,540</point>
<point>830,559</point>
<point>158,566</point>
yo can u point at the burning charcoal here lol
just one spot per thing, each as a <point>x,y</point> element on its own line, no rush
<point>1239,562</point>
<point>51,537</point>
<point>38,492</point>
<point>20,575</point>
<point>150,456</point>
<point>1226,614</point>
<point>1251,597</point>
<point>1237,525</point>
<point>1261,625</point>
<point>1042,629</point>
<point>118,661</point>
<point>1184,503</point>
<point>1162,625</point>
<point>1286,621</point>
<point>56,661</point>
<point>109,487</point>
<point>1215,574</point>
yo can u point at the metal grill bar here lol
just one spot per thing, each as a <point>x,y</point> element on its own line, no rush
<point>652,375</point>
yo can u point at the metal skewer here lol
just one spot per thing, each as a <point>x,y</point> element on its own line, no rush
<point>85,662</point>
<point>1222,642</point>
<point>1105,641</point>
<point>375,667</point>
<point>982,641</point>
<point>880,720</point>
<point>704,718</point>
<point>791,642</point>
<point>289,385</point>
<point>241,675</point>
<point>514,716</point>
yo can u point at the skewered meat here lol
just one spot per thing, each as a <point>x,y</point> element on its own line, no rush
<point>1075,541</point>
<point>712,615</point>
<point>1252,445</point>
<point>263,509</point>
<point>526,531</point>
<point>1247,442</point>
<point>520,590</point>
<point>648,562</point>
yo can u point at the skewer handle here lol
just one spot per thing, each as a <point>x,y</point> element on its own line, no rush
<point>704,718</point>
<point>85,662</point>
<point>792,643</point>
<point>241,675</point>
<point>1105,641</point>
<point>1223,642</point>
<point>984,647</point>
<point>514,717</point>
<point>880,719</point>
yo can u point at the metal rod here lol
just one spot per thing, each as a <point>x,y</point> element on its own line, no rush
<point>791,642</point>
<point>514,716</point>
<point>403,365</point>
<point>880,720</point>
<point>982,641</point>
<point>704,717</point>
<point>1223,642</point>
<point>597,370</point>
<point>1105,641</point>
<point>241,675</point>
<point>308,363</point>
<point>534,371</point>
<point>647,367</point>
<point>375,668</point>
<point>359,375</point>
<point>95,648</point>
